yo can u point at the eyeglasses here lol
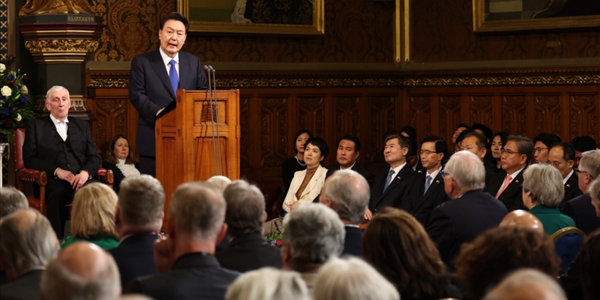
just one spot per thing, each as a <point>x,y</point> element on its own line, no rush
<point>426,152</point>
<point>509,152</point>
<point>583,172</point>
<point>535,150</point>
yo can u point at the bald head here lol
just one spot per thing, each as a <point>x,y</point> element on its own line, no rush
<point>522,219</point>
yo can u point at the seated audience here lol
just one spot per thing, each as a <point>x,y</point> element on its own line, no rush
<point>347,193</point>
<point>541,146</point>
<point>581,208</point>
<point>307,184</point>
<point>459,129</point>
<point>119,158</point>
<point>582,144</point>
<point>542,192</point>
<point>245,215</point>
<point>475,143</point>
<point>296,163</point>
<point>527,284</point>
<point>11,200</point>
<point>498,142</point>
<point>312,234</point>
<point>470,212</point>
<point>522,219</point>
<point>348,150</point>
<point>488,133</point>
<point>27,243</point>
<point>499,251</point>
<point>412,158</point>
<point>220,182</point>
<point>268,283</point>
<point>352,279</point>
<point>186,257</point>
<point>413,265</point>
<point>138,220</point>
<point>93,217</point>
<point>589,264</point>
<point>562,157</point>
<point>81,271</point>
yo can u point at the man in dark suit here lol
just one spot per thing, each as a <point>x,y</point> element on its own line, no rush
<point>63,147</point>
<point>562,157</point>
<point>470,212</point>
<point>138,220</point>
<point>348,151</point>
<point>392,184</point>
<point>427,191</point>
<point>155,77</point>
<point>541,146</point>
<point>506,184</point>
<point>27,243</point>
<point>580,208</point>
<point>475,143</point>
<point>185,258</point>
<point>245,216</point>
<point>347,193</point>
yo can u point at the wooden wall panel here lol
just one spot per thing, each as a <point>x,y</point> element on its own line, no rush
<point>513,114</point>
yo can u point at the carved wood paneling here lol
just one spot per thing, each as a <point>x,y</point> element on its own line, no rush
<point>481,108</point>
<point>450,115</point>
<point>513,114</point>
<point>274,144</point>
<point>347,115</point>
<point>584,115</point>
<point>382,119</point>
<point>547,114</point>
<point>312,113</point>
<point>420,114</point>
<point>245,128</point>
<point>112,119</point>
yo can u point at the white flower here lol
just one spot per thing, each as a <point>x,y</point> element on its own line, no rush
<point>24,90</point>
<point>2,67</point>
<point>18,118</point>
<point>6,91</point>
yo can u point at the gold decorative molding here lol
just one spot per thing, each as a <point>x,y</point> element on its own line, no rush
<point>108,83</point>
<point>504,80</point>
<point>46,7</point>
<point>84,46</point>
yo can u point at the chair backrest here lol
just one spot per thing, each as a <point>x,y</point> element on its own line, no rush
<point>18,146</point>
<point>567,242</point>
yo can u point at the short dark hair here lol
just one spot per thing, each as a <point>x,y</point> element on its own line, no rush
<point>440,145</point>
<point>402,140</point>
<point>487,132</point>
<point>352,138</point>
<point>321,143</point>
<point>524,145</point>
<point>503,137</point>
<point>177,17</point>
<point>481,140</point>
<point>463,125</point>
<point>301,131</point>
<point>547,139</point>
<point>410,131</point>
<point>568,150</point>
<point>583,143</point>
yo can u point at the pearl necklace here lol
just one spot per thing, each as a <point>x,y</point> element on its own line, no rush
<point>302,164</point>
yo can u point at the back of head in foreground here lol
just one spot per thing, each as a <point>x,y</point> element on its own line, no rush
<point>268,283</point>
<point>467,172</point>
<point>352,279</point>
<point>11,200</point>
<point>81,271</point>
<point>543,185</point>
<point>93,212</point>
<point>347,193</point>
<point>527,284</point>
<point>141,203</point>
<point>245,211</point>
<point>523,219</point>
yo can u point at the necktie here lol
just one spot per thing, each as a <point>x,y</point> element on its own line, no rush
<point>173,77</point>
<point>427,184</point>
<point>506,183</point>
<point>388,180</point>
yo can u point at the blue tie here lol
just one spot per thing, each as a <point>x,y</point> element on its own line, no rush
<point>427,184</point>
<point>173,76</point>
<point>388,180</point>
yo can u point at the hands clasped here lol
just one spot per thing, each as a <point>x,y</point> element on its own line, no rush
<point>76,181</point>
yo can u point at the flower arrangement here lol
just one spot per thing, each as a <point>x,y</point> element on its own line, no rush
<point>275,237</point>
<point>15,103</point>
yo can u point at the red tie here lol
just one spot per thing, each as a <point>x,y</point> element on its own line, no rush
<point>506,183</point>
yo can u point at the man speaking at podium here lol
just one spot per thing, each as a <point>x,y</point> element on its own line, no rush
<point>154,79</point>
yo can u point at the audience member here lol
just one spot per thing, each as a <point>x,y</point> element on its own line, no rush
<point>498,143</point>
<point>427,191</point>
<point>541,146</point>
<point>219,182</point>
<point>469,213</point>
<point>138,220</point>
<point>412,159</point>
<point>307,184</point>
<point>589,262</point>
<point>527,284</point>
<point>392,184</point>
<point>81,271</point>
<point>506,184</point>
<point>93,217</point>
<point>542,193</point>
<point>11,200</point>
<point>27,243</point>
<point>459,129</point>
<point>500,251</point>
<point>268,283</point>
<point>120,159</point>
<point>400,249</point>
<point>347,193</point>
<point>488,133</point>
<point>582,144</point>
<point>312,234</point>
<point>475,143</point>
<point>245,215</point>
<point>522,219</point>
<point>295,163</point>
<point>196,224</point>
<point>348,151</point>
<point>581,208</point>
<point>352,279</point>
<point>562,157</point>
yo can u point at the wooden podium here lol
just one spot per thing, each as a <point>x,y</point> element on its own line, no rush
<point>186,132</point>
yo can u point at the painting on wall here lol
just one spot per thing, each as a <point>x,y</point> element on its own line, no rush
<point>258,17</point>
<point>522,15</point>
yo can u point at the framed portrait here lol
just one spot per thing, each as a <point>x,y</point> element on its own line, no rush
<point>255,17</point>
<point>522,15</point>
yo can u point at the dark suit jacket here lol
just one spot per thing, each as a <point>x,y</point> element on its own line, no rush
<point>581,210</point>
<point>512,197</point>
<point>396,195</point>
<point>463,219</point>
<point>25,287</point>
<point>360,169</point>
<point>41,146</point>
<point>249,252</point>
<point>353,242</point>
<point>135,257</point>
<point>193,276</point>
<point>421,205</point>
<point>118,175</point>
<point>150,90</point>
<point>571,189</point>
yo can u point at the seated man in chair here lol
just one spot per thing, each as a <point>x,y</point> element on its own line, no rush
<point>62,147</point>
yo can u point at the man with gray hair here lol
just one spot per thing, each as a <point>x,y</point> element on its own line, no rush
<point>11,200</point>
<point>245,216</point>
<point>527,284</point>
<point>312,234</point>
<point>347,193</point>
<point>27,243</point>
<point>580,208</point>
<point>138,220</point>
<point>81,271</point>
<point>470,212</point>
<point>186,256</point>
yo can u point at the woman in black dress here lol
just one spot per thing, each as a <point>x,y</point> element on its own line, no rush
<point>120,160</point>
<point>295,163</point>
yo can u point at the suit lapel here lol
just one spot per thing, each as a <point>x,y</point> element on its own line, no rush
<point>161,70</point>
<point>313,181</point>
<point>436,183</point>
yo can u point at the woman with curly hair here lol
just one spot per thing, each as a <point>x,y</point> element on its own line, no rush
<point>499,251</point>
<point>398,246</point>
